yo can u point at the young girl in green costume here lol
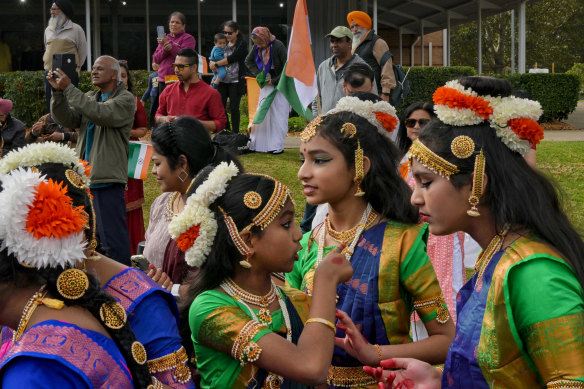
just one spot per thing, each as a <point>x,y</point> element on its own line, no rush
<point>247,332</point>
<point>351,165</point>
<point>521,316</point>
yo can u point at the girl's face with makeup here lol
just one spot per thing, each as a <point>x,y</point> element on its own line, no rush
<point>325,174</point>
<point>276,248</point>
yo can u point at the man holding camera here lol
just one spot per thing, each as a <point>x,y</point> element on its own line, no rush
<point>62,36</point>
<point>104,118</point>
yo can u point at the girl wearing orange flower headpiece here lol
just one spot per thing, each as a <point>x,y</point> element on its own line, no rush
<point>521,316</point>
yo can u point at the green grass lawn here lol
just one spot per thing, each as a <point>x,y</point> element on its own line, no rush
<point>561,161</point>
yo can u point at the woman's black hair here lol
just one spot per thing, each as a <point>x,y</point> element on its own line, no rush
<point>124,64</point>
<point>384,188</point>
<point>187,136</point>
<point>232,24</point>
<point>402,140</point>
<point>224,256</point>
<point>12,271</point>
<point>180,15</point>
<point>515,193</point>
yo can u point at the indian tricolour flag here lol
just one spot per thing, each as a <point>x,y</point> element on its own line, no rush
<point>298,81</point>
<point>139,159</point>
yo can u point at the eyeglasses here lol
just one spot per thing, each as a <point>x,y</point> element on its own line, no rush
<point>181,66</point>
<point>53,9</point>
<point>411,123</point>
<point>228,32</point>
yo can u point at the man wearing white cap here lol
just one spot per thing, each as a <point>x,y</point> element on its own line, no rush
<point>330,72</point>
<point>12,130</point>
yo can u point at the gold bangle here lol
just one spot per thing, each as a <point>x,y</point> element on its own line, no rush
<point>322,321</point>
<point>378,348</point>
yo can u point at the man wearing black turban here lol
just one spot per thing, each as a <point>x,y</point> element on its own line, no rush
<point>64,37</point>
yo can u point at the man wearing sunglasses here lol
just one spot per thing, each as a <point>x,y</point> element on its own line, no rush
<point>191,96</point>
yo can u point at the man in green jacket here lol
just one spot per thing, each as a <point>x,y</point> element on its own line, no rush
<point>104,118</point>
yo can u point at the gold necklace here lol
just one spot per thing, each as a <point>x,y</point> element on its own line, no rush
<point>37,299</point>
<point>347,236</point>
<point>485,257</point>
<point>264,315</point>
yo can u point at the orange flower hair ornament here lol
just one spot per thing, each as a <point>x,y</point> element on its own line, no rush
<point>381,114</point>
<point>38,222</point>
<point>514,119</point>
<point>459,106</point>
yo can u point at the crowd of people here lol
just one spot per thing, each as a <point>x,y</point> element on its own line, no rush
<point>369,291</point>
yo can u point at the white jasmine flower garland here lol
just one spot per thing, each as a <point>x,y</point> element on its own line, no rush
<point>36,154</point>
<point>367,110</point>
<point>499,111</point>
<point>196,213</point>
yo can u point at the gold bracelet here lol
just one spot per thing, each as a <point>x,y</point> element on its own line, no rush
<point>322,321</point>
<point>378,348</point>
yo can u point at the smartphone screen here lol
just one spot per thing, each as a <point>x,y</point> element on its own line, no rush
<point>160,31</point>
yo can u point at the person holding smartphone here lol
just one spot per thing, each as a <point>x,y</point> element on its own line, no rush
<point>168,47</point>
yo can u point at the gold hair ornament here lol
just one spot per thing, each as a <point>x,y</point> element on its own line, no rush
<point>252,200</point>
<point>431,160</point>
<point>477,184</point>
<point>236,238</point>
<point>113,315</point>
<point>359,170</point>
<point>139,353</point>
<point>349,129</point>
<point>75,179</point>
<point>462,146</point>
<point>310,130</point>
<point>72,284</point>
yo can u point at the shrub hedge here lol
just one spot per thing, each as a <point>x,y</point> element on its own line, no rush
<point>424,80</point>
<point>558,93</point>
<point>578,69</point>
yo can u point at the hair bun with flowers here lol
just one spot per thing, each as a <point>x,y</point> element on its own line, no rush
<point>38,223</point>
<point>381,114</point>
<point>194,229</point>
<point>514,119</point>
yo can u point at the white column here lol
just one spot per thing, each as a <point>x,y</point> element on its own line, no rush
<point>430,53</point>
<point>444,47</point>
<point>88,61</point>
<point>401,53</point>
<point>234,10</point>
<point>422,59</point>
<point>521,45</point>
<point>512,41</point>
<point>375,16</point>
<point>448,33</point>
<point>480,43</point>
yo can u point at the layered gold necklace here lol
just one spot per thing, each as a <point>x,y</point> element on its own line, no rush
<point>485,257</point>
<point>264,315</point>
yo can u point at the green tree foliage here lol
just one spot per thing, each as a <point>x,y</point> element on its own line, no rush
<point>553,36</point>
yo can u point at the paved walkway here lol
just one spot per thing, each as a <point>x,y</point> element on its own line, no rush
<point>576,119</point>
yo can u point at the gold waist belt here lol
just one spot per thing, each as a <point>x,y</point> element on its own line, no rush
<point>349,376</point>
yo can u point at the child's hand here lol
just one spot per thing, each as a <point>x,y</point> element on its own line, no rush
<point>335,266</point>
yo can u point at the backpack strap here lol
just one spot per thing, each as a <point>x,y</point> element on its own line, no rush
<point>385,57</point>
